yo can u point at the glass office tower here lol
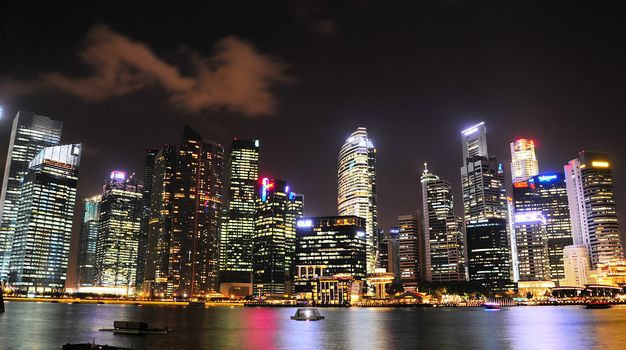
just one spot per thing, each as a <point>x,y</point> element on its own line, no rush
<point>29,135</point>
<point>274,241</point>
<point>43,230</point>
<point>356,184</point>
<point>336,242</point>
<point>197,205</point>
<point>443,244</point>
<point>87,243</point>
<point>237,227</point>
<point>121,212</point>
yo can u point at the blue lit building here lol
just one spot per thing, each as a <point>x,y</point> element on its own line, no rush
<point>545,228</point>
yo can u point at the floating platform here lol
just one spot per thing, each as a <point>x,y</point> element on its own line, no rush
<point>307,314</point>
<point>92,346</point>
<point>127,327</point>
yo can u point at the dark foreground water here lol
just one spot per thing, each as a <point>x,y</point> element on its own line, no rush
<point>48,326</point>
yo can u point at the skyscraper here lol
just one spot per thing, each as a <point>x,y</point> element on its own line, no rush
<point>552,194</point>
<point>274,241</point>
<point>87,243</point>
<point>531,239</point>
<point>336,242</point>
<point>524,163</point>
<point>489,255</point>
<point>389,246</point>
<point>357,187</point>
<point>148,170</point>
<point>474,141</point>
<point>485,212</point>
<point>484,194</point>
<point>121,212</point>
<point>443,232</point>
<point>45,211</point>
<point>29,135</point>
<point>194,248</point>
<point>592,206</point>
<point>156,281</point>
<point>409,246</point>
<point>237,227</point>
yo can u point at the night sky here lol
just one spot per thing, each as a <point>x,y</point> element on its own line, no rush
<point>302,75</point>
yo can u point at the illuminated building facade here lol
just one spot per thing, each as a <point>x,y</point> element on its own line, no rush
<point>45,212</point>
<point>482,177</point>
<point>575,265</point>
<point>510,218</point>
<point>87,243</point>
<point>609,274</point>
<point>409,246</point>
<point>29,135</point>
<point>474,141</point>
<point>274,240</point>
<point>531,241</point>
<point>485,212</point>
<point>197,206</point>
<point>443,232</point>
<point>488,254</point>
<point>547,193</point>
<point>237,227</point>
<point>121,212</point>
<point>389,258</point>
<point>336,290</point>
<point>336,242</point>
<point>592,207</point>
<point>357,187</point>
<point>148,170</point>
<point>484,194</point>
<point>156,281</point>
<point>524,163</point>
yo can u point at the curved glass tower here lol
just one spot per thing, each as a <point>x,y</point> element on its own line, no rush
<point>357,187</point>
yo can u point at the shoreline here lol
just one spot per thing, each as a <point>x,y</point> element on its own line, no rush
<point>119,302</point>
<point>248,304</point>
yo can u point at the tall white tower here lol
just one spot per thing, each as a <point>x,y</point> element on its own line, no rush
<point>592,206</point>
<point>356,184</point>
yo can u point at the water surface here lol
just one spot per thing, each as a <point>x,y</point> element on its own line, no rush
<point>28,325</point>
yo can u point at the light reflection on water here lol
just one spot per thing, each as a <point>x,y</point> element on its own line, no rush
<point>48,326</point>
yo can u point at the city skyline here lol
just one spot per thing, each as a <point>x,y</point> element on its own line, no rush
<point>219,174</point>
<point>415,118</point>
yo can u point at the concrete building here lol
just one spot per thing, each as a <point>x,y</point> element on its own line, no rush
<point>576,265</point>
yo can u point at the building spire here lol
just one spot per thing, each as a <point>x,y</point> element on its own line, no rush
<point>428,176</point>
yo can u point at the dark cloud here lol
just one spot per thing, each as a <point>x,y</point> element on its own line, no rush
<point>236,77</point>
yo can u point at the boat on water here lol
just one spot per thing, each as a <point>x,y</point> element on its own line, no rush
<point>491,306</point>
<point>127,327</point>
<point>307,314</point>
<point>598,305</point>
<point>199,304</point>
